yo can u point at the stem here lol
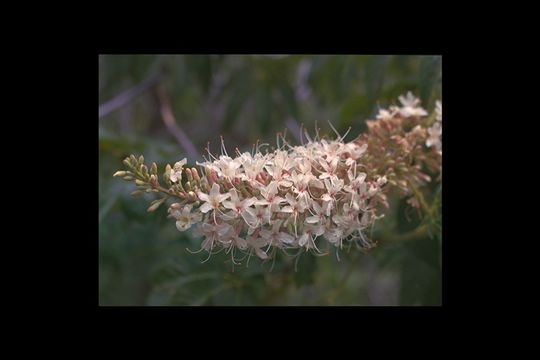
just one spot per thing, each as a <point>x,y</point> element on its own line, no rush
<point>421,198</point>
<point>416,234</point>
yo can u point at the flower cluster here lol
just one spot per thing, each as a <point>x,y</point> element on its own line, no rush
<point>309,197</point>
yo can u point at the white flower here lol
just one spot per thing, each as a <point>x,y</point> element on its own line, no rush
<point>294,205</point>
<point>434,138</point>
<point>311,232</point>
<point>231,238</point>
<point>256,243</point>
<point>213,232</point>
<point>269,196</point>
<point>334,235</point>
<point>438,110</point>
<point>320,213</point>
<point>356,184</point>
<point>184,218</point>
<point>410,106</point>
<point>276,237</point>
<point>333,187</point>
<point>329,168</point>
<point>212,200</point>
<point>228,167</point>
<point>176,171</point>
<point>278,175</point>
<point>238,206</point>
<point>259,216</point>
<point>384,115</point>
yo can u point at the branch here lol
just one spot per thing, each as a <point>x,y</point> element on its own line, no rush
<point>126,97</point>
<point>172,126</point>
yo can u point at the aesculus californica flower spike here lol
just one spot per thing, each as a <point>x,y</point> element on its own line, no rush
<point>308,197</point>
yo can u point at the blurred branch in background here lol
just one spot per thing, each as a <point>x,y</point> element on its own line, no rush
<point>292,125</point>
<point>172,126</point>
<point>127,96</point>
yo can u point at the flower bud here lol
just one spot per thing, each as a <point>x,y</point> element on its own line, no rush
<point>167,173</point>
<point>188,173</point>
<point>120,173</point>
<point>195,174</point>
<point>144,170</point>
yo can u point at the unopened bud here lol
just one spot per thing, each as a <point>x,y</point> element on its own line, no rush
<point>195,174</point>
<point>188,173</point>
<point>167,173</point>
<point>120,173</point>
<point>153,169</point>
<point>144,170</point>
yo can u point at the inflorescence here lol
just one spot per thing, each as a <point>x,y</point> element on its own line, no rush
<point>308,197</point>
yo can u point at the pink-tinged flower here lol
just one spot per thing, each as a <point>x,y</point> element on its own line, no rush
<point>212,200</point>
<point>213,232</point>
<point>348,219</point>
<point>282,160</point>
<point>278,175</point>
<point>259,216</point>
<point>320,214</point>
<point>231,238</point>
<point>333,187</point>
<point>237,205</point>
<point>294,206</point>
<point>331,150</point>
<point>356,183</point>
<point>269,194</point>
<point>176,171</point>
<point>311,232</point>
<point>275,237</point>
<point>228,167</point>
<point>257,243</point>
<point>329,168</point>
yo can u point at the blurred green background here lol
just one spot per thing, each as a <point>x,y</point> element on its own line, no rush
<point>143,258</point>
